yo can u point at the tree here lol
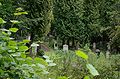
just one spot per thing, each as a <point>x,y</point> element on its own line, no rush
<point>39,17</point>
<point>68,24</point>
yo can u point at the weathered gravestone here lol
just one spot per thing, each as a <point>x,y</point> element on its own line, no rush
<point>65,48</point>
<point>97,51</point>
<point>55,46</point>
<point>108,51</point>
<point>34,49</point>
<point>94,47</point>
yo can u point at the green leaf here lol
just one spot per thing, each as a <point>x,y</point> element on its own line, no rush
<point>0,3</point>
<point>62,77</point>
<point>86,77</point>
<point>26,41</point>
<point>45,56</point>
<point>49,61</point>
<point>23,48</point>
<point>20,13</point>
<point>29,58</point>
<point>6,64</point>
<point>51,64</point>
<point>24,13</point>
<point>23,55</point>
<point>12,47</point>
<point>41,66</point>
<point>40,60</point>
<point>12,43</point>
<point>45,72</point>
<point>4,33</point>
<point>13,29</point>
<point>17,14</point>
<point>2,21</point>
<point>19,9</point>
<point>92,70</point>
<point>14,21</point>
<point>81,54</point>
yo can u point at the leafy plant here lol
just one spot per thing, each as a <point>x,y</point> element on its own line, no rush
<point>14,63</point>
<point>92,70</point>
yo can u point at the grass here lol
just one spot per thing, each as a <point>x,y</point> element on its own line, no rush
<point>73,67</point>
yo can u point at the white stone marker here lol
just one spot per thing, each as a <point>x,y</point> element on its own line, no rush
<point>65,48</point>
<point>108,51</point>
<point>34,48</point>
<point>107,54</point>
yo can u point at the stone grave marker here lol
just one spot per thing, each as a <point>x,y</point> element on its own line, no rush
<point>34,49</point>
<point>108,51</point>
<point>65,48</point>
<point>55,46</point>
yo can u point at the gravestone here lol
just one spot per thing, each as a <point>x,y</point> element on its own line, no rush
<point>94,47</point>
<point>34,49</point>
<point>97,51</point>
<point>55,46</point>
<point>65,48</point>
<point>108,51</point>
<point>107,54</point>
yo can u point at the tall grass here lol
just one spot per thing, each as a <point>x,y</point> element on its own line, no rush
<point>73,67</point>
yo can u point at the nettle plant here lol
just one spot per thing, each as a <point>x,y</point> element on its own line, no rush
<point>14,63</point>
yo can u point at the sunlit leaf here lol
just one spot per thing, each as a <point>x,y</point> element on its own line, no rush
<point>19,9</point>
<point>62,77</point>
<point>45,72</point>
<point>24,13</point>
<point>29,58</point>
<point>12,47</point>
<point>14,21</point>
<point>86,77</point>
<point>45,56</point>
<point>23,55</point>
<point>41,66</point>
<point>23,48</point>
<point>40,60</point>
<point>2,21</point>
<point>4,30</point>
<point>17,14</point>
<point>51,64</point>
<point>49,61</point>
<point>92,70</point>
<point>13,29</point>
<point>0,3</point>
<point>81,54</point>
<point>12,43</point>
<point>26,41</point>
<point>20,13</point>
<point>4,33</point>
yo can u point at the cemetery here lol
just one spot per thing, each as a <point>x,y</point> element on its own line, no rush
<point>59,39</point>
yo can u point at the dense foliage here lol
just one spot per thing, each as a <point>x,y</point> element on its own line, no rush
<point>78,23</point>
<point>70,65</point>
